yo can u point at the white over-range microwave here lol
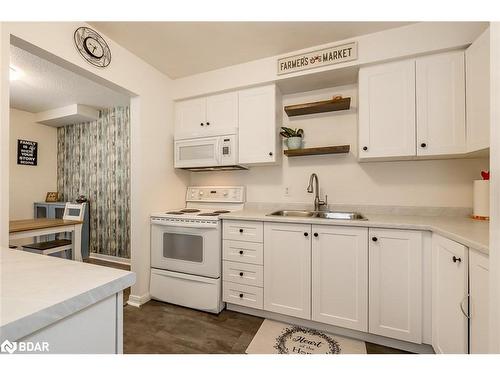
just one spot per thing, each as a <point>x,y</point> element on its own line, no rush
<point>209,153</point>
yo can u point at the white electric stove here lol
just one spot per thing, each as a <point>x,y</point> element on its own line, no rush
<point>186,248</point>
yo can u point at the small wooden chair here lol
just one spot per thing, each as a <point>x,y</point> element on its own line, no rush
<point>72,211</point>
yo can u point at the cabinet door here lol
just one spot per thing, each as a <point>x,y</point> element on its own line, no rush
<point>441,104</point>
<point>190,118</point>
<point>449,292</point>
<point>340,276</point>
<point>477,63</point>
<point>395,284</point>
<point>387,110</point>
<point>222,114</point>
<point>258,125</point>
<point>479,302</point>
<point>287,269</point>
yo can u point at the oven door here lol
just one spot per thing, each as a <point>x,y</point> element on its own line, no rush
<point>194,250</point>
<point>201,152</point>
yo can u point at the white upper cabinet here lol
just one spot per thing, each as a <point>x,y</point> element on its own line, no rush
<point>258,139</point>
<point>340,276</point>
<point>207,116</point>
<point>287,269</point>
<point>416,108</point>
<point>441,104</point>
<point>387,110</point>
<point>222,114</point>
<point>190,117</point>
<point>449,296</point>
<point>395,284</point>
<point>479,302</point>
<point>477,62</point>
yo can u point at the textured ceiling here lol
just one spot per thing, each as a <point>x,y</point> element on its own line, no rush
<point>180,49</point>
<point>44,85</point>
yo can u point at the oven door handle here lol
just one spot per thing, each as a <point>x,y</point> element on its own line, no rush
<point>165,223</point>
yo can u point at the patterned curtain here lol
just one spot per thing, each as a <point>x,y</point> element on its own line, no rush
<point>93,159</point>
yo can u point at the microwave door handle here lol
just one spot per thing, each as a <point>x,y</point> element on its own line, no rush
<point>218,151</point>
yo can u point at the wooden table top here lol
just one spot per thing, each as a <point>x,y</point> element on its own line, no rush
<point>34,224</point>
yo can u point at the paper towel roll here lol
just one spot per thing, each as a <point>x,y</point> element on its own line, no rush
<point>481,201</point>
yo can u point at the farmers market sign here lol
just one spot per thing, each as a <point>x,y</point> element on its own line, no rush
<point>311,60</point>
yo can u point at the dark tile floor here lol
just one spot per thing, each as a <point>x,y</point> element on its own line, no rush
<point>162,328</point>
<point>159,327</point>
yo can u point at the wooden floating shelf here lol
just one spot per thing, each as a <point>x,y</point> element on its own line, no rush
<point>344,149</point>
<point>318,107</point>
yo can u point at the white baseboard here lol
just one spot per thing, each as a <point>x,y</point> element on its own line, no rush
<point>137,301</point>
<point>368,337</point>
<point>110,258</point>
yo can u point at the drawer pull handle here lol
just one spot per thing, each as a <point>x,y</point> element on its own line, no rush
<point>241,230</point>
<point>241,274</point>
<point>374,239</point>
<point>455,259</point>
<point>241,252</point>
<point>306,234</point>
<point>241,295</point>
<point>316,234</point>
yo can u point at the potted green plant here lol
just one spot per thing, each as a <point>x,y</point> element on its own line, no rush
<point>293,137</point>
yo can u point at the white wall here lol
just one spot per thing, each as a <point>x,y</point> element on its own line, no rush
<point>30,184</point>
<point>495,188</point>
<point>154,183</point>
<point>412,40</point>
<point>406,183</point>
<point>4,137</point>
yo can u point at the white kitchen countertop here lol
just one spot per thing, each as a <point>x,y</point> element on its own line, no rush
<point>38,290</point>
<point>471,233</point>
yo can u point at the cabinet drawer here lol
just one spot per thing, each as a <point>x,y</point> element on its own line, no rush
<point>244,295</point>
<point>243,230</point>
<point>242,273</point>
<point>240,251</point>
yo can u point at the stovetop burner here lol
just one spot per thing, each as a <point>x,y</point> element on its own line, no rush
<point>221,212</point>
<point>189,210</point>
<point>208,214</point>
<point>175,213</point>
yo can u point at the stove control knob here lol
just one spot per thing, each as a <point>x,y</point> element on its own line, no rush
<point>201,193</point>
<point>225,193</point>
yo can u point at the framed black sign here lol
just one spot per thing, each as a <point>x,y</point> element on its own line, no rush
<point>27,152</point>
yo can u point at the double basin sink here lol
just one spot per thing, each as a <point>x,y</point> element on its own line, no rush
<point>332,215</point>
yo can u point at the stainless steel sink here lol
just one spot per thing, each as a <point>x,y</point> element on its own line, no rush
<point>336,215</point>
<point>331,215</point>
<point>293,213</point>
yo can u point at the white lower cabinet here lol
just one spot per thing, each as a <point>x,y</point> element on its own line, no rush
<point>287,269</point>
<point>449,296</point>
<point>366,279</point>
<point>395,284</point>
<point>340,276</point>
<point>479,305</point>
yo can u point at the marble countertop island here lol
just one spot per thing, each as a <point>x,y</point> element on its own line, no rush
<point>38,290</point>
<point>469,232</point>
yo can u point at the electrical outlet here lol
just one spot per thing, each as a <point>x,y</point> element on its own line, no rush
<point>286,192</point>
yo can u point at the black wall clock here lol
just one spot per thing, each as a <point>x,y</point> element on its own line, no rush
<point>92,47</point>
